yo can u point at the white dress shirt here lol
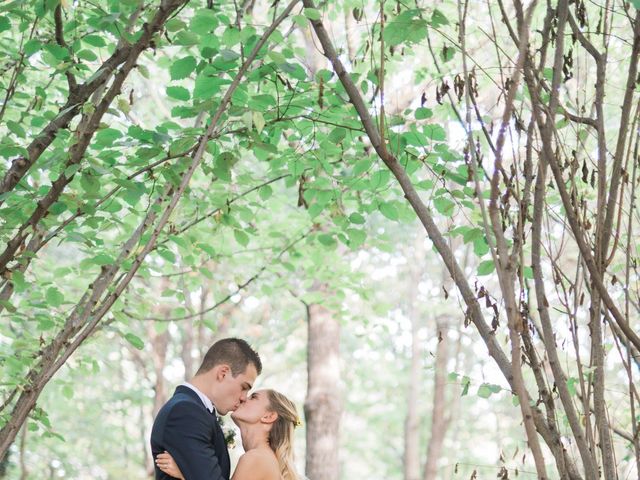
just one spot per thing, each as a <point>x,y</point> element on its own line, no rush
<point>203,397</point>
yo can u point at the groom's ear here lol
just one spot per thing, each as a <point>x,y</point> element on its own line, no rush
<point>222,371</point>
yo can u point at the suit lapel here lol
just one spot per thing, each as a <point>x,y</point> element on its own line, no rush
<point>221,448</point>
<point>217,438</point>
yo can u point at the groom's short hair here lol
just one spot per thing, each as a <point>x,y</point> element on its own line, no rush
<point>234,352</point>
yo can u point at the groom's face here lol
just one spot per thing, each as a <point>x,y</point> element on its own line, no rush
<point>233,390</point>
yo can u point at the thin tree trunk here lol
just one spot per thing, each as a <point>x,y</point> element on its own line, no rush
<point>439,419</point>
<point>412,420</point>
<point>323,404</point>
<point>159,344</point>
<point>24,471</point>
<point>187,334</point>
<point>4,464</point>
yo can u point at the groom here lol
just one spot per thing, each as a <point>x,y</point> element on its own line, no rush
<point>187,427</point>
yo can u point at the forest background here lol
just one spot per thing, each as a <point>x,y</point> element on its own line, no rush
<point>420,213</point>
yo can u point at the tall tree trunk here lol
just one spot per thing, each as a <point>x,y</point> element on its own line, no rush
<point>4,464</point>
<point>412,420</point>
<point>24,471</point>
<point>187,333</point>
<point>159,343</point>
<point>323,405</point>
<point>439,419</point>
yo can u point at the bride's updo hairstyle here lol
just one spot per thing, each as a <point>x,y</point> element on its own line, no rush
<point>281,434</point>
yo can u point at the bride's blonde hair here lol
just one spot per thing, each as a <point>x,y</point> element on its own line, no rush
<point>281,434</point>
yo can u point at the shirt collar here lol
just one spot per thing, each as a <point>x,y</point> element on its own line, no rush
<point>207,402</point>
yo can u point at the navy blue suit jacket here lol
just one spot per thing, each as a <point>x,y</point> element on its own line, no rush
<point>191,434</point>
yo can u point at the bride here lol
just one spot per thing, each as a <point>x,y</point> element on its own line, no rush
<point>266,421</point>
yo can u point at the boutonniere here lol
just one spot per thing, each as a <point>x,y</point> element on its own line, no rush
<point>229,433</point>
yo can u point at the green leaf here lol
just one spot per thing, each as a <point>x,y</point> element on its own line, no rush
<point>45,324</point>
<point>18,280</point>
<point>262,103</point>
<point>407,27</point>
<point>571,383</point>
<point>60,53</point>
<point>182,68</point>
<point>175,24</point>
<point>231,36</point>
<point>179,93</point>
<point>435,132</point>
<point>32,46</point>
<point>424,185</point>
<point>389,210</point>
<point>447,53</point>
<point>312,13</point>
<point>57,208</point>
<point>95,41</point>
<point>277,57</point>
<point>258,121</point>
<point>438,19</point>
<point>356,218</point>
<point>67,391</point>
<point>379,179</point>
<point>5,24</point>
<point>203,22</point>
<point>106,137</point>
<point>16,128</point>
<point>90,183</point>
<point>527,272</point>
<point>356,237</point>
<point>300,21</point>
<point>229,55</point>
<point>472,234</point>
<point>87,55</point>
<point>362,166</point>
<point>337,135</point>
<point>54,297</point>
<point>206,86</point>
<point>480,246</point>
<point>636,3</point>
<point>103,259</point>
<point>241,237</point>
<point>168,255</point>
<point>423,113</point>
<point>486,267</point>
<point>327,240</point>
<point>444,206</point>
<point>316,209</point>
<point>466,381</point>
<point>134,340</point>
<point>265,192</point>
<point>484,391</point>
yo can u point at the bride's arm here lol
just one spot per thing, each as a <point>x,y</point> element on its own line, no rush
<point>167,464</point>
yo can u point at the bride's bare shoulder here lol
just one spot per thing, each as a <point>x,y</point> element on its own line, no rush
<point>257,464</point>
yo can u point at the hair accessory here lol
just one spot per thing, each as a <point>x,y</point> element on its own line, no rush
<point>297,422</point>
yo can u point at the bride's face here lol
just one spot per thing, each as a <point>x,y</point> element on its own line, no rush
<point>254,410</point>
